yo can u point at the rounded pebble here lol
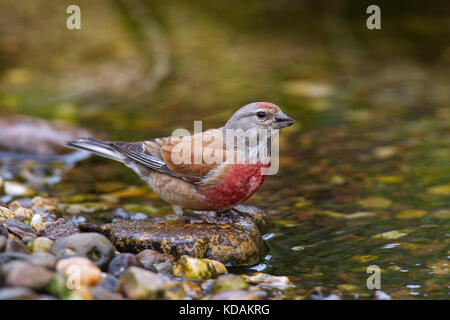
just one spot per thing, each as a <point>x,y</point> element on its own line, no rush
<point>80,271</point>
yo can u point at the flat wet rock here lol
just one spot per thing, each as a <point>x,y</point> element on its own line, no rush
<point>236,243</point>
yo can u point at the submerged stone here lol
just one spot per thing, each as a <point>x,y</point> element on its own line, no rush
<point>236,243</point>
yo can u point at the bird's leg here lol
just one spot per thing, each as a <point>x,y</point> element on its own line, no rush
<point>212,217</point>
<point>184,215</point>
<point>241,213</point>
<point>227,216</point>
<point>207,216</point>
<point>192,217</point>
<point>179,211</point>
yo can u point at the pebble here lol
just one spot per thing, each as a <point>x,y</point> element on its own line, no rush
<point>46,206</point>
<point>41,244</point>
<point>110,283</point>
<point>20,229</point>
<point>219,266</point>
<point>10,293</point>
<point>100,293</point>
<point>122,262</point>
<point>195,268</point>
<point>155,261</point>
<point>192,288</point>
<point>17,189</point>
<point>332,296</point>
<point>235,295</point>
<point>89,274</point>
<point>229,282</point>
<point>6,213</point>
<point>14,245</point>
<point>94,246</point>
<point>83,293</point>
<point>37,222</point>
<point>2,243</point>
<point>43,259</point>
<point>174,291</point>
<point>138,216</point>
<point>138,283</point>
<point>23,274</point>
<point>3,231</point>
<point>264,279</point>
<point>22,214</point>
<point>6,257</point>
<point>381,295</point>
<point>84,208</point>
<point>120,214</point>
<point>163,267</point>
<point>59,229</point>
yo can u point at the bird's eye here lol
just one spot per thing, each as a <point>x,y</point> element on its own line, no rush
<point>261,114</point>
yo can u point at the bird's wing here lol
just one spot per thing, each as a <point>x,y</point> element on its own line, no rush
<point>137,152</point>
<point>190,158</point>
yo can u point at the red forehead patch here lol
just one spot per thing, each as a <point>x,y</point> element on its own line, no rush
<point>266,105</point>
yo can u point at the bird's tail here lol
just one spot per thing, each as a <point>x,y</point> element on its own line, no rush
<point>98,147</point>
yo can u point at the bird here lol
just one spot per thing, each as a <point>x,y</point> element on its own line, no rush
<point>206,172</point>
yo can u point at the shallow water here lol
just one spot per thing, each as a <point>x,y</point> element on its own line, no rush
<point>364,176</point>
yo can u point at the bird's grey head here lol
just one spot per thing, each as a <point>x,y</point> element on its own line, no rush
<point>259,115</point>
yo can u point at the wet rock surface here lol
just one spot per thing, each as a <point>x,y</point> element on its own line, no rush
<point>236,243</point>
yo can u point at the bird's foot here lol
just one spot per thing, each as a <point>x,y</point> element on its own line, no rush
<point>211,217</point>
<point>240,213</point>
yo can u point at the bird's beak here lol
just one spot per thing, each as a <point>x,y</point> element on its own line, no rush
<point>282,121</point>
